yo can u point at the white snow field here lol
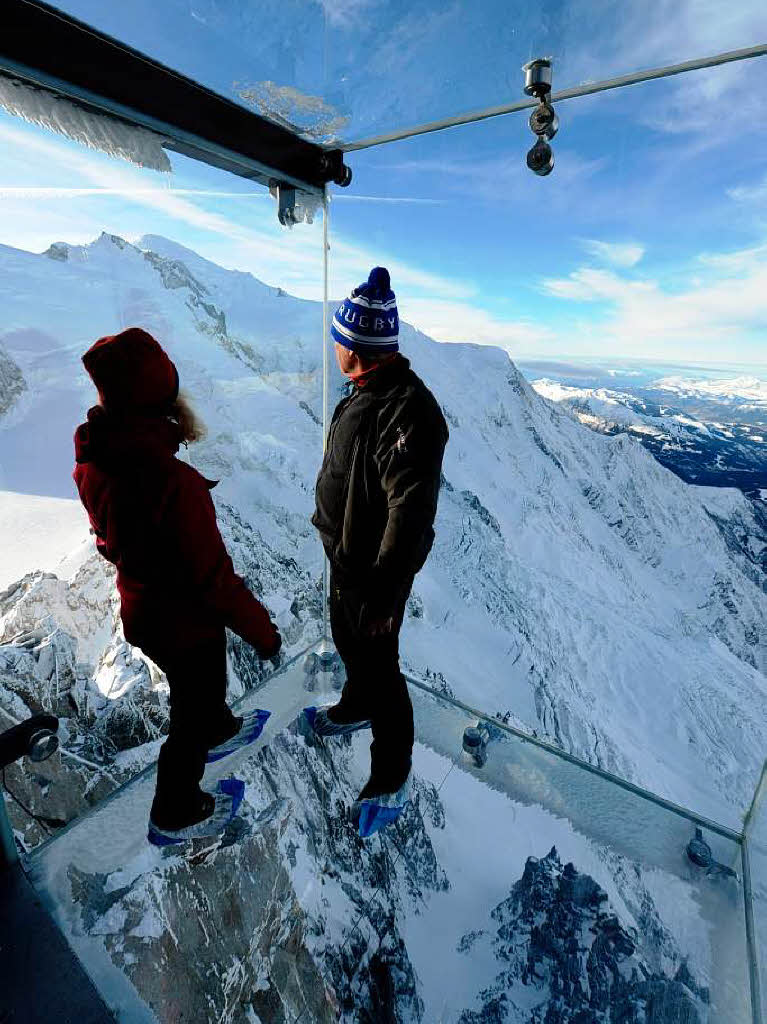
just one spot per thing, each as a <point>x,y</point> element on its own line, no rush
<point>574,582</point>
<point>52,528</point>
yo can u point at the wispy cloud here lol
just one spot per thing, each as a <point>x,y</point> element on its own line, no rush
<point>756,194</point>
<point>629,37</point>
<point>618,254</point>
<point>453,321</point>
<point>722,312</point>
<point>341,13</point>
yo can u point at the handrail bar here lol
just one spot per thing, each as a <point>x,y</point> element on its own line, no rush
<point>551,748</point>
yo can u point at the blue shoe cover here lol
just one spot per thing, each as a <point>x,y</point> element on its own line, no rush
<point>229,794</point>
<point>374,817</point>
<point>307,720</point>
<point>315,722</point>
<point>377,812</point>
<point>253,723</point>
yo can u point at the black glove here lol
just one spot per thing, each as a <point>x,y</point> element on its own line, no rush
<point>272,651</point>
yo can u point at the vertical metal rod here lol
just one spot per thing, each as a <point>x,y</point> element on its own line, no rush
<point>759,793</point>
<point>325,395</point>
<point>752,942</point>
<point>752,939</point>
<point>9,855</point>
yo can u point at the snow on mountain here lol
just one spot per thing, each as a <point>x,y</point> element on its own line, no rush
<point>709,436</point>
<point>53,529</point>
<point>574,581</point>
<point>562,953</point>
<point>747,391</point>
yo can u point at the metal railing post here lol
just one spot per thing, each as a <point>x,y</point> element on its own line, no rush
<point>325,395</point>
<point>752,939</point>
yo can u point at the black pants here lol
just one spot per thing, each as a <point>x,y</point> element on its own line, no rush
<point>199,719</point>
<point>375,688</point>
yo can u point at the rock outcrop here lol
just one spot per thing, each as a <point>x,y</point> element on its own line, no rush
<point>566,958</point>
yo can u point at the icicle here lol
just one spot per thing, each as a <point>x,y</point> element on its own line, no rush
<point>97,131</point>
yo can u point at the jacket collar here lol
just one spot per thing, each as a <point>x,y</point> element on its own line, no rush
<point>107,437</point>
<point>381,378</point>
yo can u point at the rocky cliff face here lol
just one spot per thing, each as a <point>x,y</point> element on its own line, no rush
<point>62,651</point>
<point>12,383</point>
<point>566,958</point>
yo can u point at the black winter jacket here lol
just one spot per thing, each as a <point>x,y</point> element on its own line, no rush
<point>376,493</point>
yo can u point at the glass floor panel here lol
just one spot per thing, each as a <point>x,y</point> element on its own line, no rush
<point>501,891</point>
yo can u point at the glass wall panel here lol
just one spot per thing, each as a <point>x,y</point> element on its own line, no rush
<point>90,246</point>
<point>349,70</point>
<point>581,332</point>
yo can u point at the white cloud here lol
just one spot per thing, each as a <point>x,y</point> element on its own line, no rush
<point>589,284</point>
<point>718,314</point>
<point>756,194</point>
<point>618,254</point>
<point>452,321</point>
<point>345,12</point>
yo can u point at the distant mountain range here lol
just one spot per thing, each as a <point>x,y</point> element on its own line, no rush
<point>710,432</point>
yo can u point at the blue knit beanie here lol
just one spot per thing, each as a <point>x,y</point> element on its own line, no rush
<point>367,322</point>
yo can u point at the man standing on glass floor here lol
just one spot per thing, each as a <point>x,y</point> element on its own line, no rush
<point>376,499</point>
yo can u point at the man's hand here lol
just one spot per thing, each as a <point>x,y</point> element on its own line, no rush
<point>272,649</point>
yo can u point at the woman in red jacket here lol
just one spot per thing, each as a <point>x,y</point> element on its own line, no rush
<point>154,519</point>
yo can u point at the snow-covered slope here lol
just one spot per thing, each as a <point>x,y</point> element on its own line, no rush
<point>574,583</point>
<point>52,529</point>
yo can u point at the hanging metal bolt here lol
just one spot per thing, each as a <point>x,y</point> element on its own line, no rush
<point>543,121</point>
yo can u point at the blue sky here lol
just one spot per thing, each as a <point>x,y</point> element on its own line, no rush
<point>649,240</point>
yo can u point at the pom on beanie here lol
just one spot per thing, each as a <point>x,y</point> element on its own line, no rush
<point>367,322</point>
<point>131,369</point>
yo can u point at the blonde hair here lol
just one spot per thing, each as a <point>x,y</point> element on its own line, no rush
<point>190,425</point>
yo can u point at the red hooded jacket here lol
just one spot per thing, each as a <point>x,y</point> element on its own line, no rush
<point>154,519</point>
